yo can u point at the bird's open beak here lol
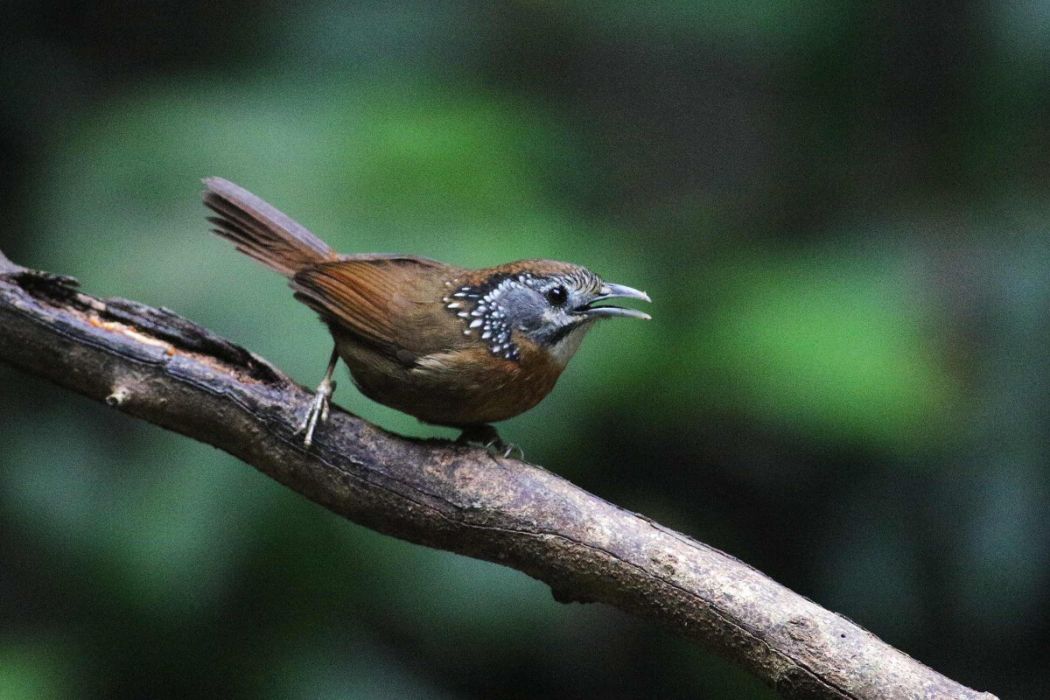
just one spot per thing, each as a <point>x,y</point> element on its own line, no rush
<point>616,291</point>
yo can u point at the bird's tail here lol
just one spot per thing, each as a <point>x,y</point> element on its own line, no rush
<point>261,231</point>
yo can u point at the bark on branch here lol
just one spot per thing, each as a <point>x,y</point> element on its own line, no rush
<point>155,365</point>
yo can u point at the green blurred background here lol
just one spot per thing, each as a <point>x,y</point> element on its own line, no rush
<point>839,209</point>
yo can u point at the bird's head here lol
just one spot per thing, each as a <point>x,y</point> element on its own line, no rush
<point>552,304</point>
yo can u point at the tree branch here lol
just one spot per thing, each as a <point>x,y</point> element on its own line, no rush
<point>155,365</point>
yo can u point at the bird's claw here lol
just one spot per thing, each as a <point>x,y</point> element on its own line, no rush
<point>318,412</point>
<point>505,449</point>
<point>486,436</point>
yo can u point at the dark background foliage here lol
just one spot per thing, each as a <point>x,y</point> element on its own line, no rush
<point>840,210</point>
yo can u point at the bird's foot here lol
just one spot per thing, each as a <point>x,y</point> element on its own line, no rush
<point>487,437</point>
<point>506,450</point>
<point>318,411</point>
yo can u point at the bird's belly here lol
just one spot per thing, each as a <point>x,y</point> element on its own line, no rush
<point>454,389</point>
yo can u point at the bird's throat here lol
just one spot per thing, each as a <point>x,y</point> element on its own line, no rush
<point>567,343</point>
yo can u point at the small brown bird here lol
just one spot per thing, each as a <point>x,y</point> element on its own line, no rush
<point>448,345</point>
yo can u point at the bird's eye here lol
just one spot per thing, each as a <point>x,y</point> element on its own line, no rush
<point>557,295</point>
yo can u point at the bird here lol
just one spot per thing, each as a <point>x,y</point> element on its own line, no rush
<point>451,346</point>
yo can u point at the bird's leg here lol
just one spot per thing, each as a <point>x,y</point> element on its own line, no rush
<point>481,434</point>
<point>319,407</point>
<point>486,436</point>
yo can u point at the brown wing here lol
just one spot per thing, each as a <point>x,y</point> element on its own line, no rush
<point>391,302</point>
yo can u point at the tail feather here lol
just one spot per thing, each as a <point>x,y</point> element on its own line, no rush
<point>261,231</point>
